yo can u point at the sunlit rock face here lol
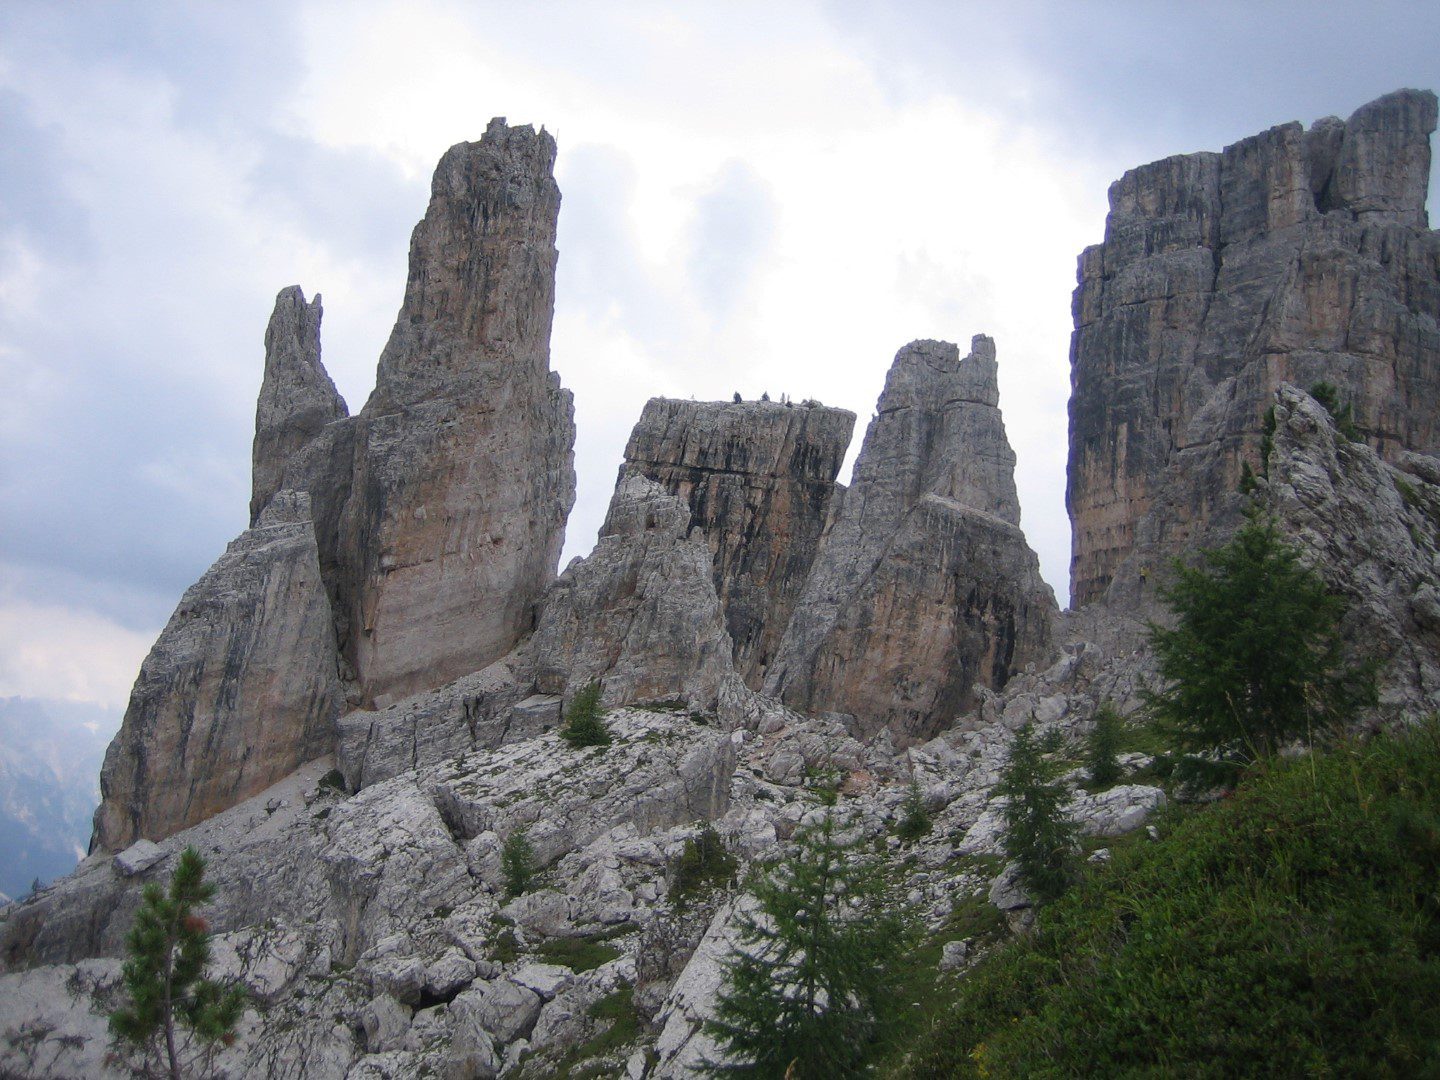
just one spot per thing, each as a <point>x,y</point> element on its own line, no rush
<point>758,478</point>
<point>925,585</point>
<point>1296,255</point>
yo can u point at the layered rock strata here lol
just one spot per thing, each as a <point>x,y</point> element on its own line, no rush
<point>240,689</point>
<point>640,615</point>
<point>759,480</point>
<point>1293,256</point>
<point>925,586</point>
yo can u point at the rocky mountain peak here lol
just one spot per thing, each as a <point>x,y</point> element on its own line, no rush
<point>925,585</point>
<point>481,287</point>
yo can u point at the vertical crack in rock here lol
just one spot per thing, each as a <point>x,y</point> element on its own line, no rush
<point>1293,256</point>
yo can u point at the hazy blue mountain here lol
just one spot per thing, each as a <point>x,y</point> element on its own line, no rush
<point>50,755</point>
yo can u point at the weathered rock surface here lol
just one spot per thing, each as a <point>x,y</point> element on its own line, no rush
<point>463,456</point>
<point>925,585</point>
<point>759,480</point>
<point>476,712</point>
<point>240,689</point>
<point>639,614</point>
<point>1372,530</point>
<point>297,397</point>
<point>1293,256</point>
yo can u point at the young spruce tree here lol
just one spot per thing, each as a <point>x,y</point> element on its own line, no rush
<point>585,719</point>
<point>169,946</point>
<point>814,977</point>
<point>1254,660</point>
<point>1039,836</point>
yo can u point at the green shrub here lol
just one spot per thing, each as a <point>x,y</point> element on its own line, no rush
<point>703,863</point>
<point>1290,930</point>
<point>585,719</point>
<point>517,863</point>
<point>1342,414</point>
<point>1039,836</point>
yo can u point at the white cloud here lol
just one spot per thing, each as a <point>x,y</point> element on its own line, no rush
<point>68,654</point>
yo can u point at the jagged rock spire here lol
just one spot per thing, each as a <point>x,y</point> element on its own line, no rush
<point>297,397</point>
<point>925,585</point>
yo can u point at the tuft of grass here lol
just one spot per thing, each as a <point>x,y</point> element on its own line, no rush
<point>577,954</point>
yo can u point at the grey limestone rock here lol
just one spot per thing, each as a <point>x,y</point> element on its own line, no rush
<point>1372,530</point>
<point>1293,256</point>
<point>925,585</point>
<point>240,689</point>
<point>640,614</point>
<point>758,478</point>
<point>475,712</point>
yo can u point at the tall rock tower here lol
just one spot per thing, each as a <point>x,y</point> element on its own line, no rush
<point>389,552</point>
<point>1292,256</point>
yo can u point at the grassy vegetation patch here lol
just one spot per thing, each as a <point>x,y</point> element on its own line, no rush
<point>1293,929</point>
<point>577,954</point>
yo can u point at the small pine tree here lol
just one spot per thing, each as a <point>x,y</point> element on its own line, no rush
<point>585,719</point>
<point>1102,747</point>
<point>1342,414</point>
<point>916,820</point>
<point>1039,836</point>
<point>1254,660</point>
<point>517,863</point>
<point>814,979</point>
<point>169,946</point>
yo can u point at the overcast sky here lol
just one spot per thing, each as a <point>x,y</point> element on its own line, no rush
<point>757,197</point>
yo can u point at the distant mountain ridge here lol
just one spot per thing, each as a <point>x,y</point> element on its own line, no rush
<point>50,754</point>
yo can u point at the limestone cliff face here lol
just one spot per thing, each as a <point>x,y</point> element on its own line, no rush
<point>1293,256</point>
<point>297,398</point>
<point>925,585</point>
<point>441,506</point>
<point>640,614</point>
<point>759,480</point>
<point>239,690</point>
